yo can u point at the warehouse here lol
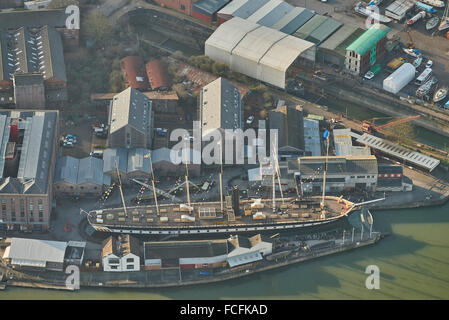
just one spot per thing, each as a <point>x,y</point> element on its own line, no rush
<point>134,75</point>
<point>206,10</point>
<point>343,144</point>
<point>293,20</point>
<point>343,173</point>
<point>270,13</point>
<point>257,51</point>
<point>36,254</point>
<point>333,50</point>
<point>157,75</point>
<point>318,29</point>
<point>239,8</point>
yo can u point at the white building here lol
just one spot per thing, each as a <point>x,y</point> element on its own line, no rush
<point>36,5</point>
<point>34,253</point>
<point>121,253</point>
<point>246,250</point>
<point>259,52</point>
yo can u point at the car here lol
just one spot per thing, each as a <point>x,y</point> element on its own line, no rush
<point>67,144</point>
<point>250,120</point>
<point>71,138</point>
<point>161,132</point>
<point>369,75</point>
<point>97,154</point>
<point>429,64</point>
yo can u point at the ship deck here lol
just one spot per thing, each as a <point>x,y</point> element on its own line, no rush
<point>209,214</point>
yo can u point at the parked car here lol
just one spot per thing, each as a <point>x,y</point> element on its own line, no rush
<point>161,132</point>
<point>67,144</point>
<point>97,154</point>
<point>250,120</point>
<point>429,64</point>
<point>71,138</point>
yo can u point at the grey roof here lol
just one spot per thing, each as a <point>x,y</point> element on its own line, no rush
<point>137,162</point>
<point>66,170</point>
<point>289,123</point>
<point>113,155</point>
<point>390,168</point>
<point>312,138</point>
<point>209,7</point>
<point>249,8</point>
<point>314,166</point>
<point>23,250</point>
<point>338,37</point>
<point>130,107</point>
<point>90,171</point>
<point>221,106</point>
<point>37,151</point>
<point>185,249</point>
<point>321,33</point>
<point>293,20</point>
<point>275,14</point>
<point>28,79</point>
<point>37,51</point>
<point>33,18</point>
<point>400,152</point>
<point>165,154</point>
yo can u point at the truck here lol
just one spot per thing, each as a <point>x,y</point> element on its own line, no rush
<point>394,64</point>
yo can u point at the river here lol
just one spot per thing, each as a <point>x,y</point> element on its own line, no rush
<point>413,263</point>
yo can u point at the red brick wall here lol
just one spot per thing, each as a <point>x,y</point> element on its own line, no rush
<point>184,6</point>
<point>201,16</point>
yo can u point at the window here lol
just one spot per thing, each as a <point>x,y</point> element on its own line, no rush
<point>3,205</point>
<point>114,261</point>
<point>31,207</point>
<point>114,267</point>
<point>130,267</point>
<point>131,260</point>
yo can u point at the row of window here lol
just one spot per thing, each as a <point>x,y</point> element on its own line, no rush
<point>128,267</point>
<point>22,206</point>
<point>117,261</point>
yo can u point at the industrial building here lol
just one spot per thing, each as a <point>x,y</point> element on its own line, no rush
<point>257,51</point>
<point>157,75</point>
<point>270,13</point>
<point>35,254</point>
<point>333,49</point>
<point>29,148</point>
<point>36,51</point>
<point>293,20</point>
<point>79,177</point>
<point>391,178</point>
<point>312,137</point>
<point>130,120</point>
<point>220,107</point>
<point>398,152</point>
<point>239,8</point>
<point>235,251</point>
<point>121,253</point>
<point>288,121</point>
<point>343,144</point>
<point>29,90</point>
<point>343,173</point>
<point>366,50</point>
<point>317,29</point>
<point>206,10</point>
<point>134,75</point>
<point>10,4</point>
<point>166,162</point>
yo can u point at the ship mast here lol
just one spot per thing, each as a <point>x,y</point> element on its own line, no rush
<point>121,190</point>
<point>278,171</point>
<point>187,181</point>
<point>153,184</point>
<point>325,169</point>
<point>221,176</point>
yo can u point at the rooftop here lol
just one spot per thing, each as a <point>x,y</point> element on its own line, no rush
<point>33,18</point>
<point>293,20</point>
<point>314,166</point>
<point>209,7</point>
<point>369,39</point>
<point>185,249</point>
<point>120,245</point>
<point>134,72</point>
<point>33,252</point>
<point>289,123</point>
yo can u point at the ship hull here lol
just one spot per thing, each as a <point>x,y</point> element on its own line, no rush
<point>192,232</point>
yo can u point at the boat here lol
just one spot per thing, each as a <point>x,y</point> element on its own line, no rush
<point>418,16</point>
<point>417,62</point>
<point>446,105</point>
<point>424,89</point>
<point>444,24</point>
<point>432,23</point>
<point>434,3</point>
<point>412,52</point>
<point>440,94</point>
<point>426,7</point>
<point>229,216</point>
<point>368,12</point>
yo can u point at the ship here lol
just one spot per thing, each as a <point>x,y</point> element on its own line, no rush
<point>424,89</point>
<point>415,18</point>
<point>232,215</point>
<point>444,24</point>
<point>432,23</point>
<point>440,94</point>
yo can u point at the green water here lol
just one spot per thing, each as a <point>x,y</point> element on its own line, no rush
<point>413,262</point>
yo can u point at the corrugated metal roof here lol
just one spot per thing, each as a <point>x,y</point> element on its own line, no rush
<point>66,170</point>
<point>289,123</point>
<point>37,250</point>
<point>209,7</point>
<point>231,7</point>
<point>112,155</point>
<point>312,138</point>
<point>338,37</point>
<point>293,20</point>
<point>90,171</point>
<point>369,39</point>
<point>310,26</point>
<point>324,31</point>
<point>338,165</point>
<point>33,18</point>
<point>249,8</point>
<point>185,249</point>
<point>157,74</point>
<point>270,13</point>
<point>134,70</point>
<point>137,161</point>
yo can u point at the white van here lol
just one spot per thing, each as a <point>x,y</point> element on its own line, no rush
<point>97,154</point>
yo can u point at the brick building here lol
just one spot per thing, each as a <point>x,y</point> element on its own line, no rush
<point>29,91</point>
<point>134,74</point>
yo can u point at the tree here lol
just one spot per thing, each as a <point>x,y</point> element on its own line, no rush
<point>97,27</point>
<point>60,4</point>
<point>116,81</point>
